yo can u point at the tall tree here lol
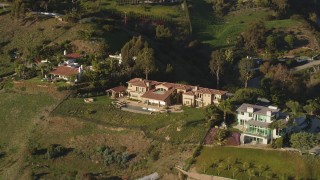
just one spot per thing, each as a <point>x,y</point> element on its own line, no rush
<point>216,64</point>
<point>246,69</point>
<point>146,61</point>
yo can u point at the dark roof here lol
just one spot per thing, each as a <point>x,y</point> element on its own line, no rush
<point>157,96</point>
<point>73,56</point>
<point>262,110</point>
<point>65,71</point>
<point>118,89</point>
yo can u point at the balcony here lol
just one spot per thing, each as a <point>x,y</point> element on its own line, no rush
<point>260,134</point>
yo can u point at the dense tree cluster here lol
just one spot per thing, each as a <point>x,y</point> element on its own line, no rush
<point>137,56</point>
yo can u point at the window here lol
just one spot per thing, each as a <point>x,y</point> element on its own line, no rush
<point>137,89</point>
<point>250,114</point>
<point>242,113</point>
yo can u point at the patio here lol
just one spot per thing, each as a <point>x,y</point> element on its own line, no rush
<point>151,108</point>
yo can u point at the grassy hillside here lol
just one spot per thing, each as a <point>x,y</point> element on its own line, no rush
<point>31,33</point>
<point>19,112</point>
<point>170,12</point>
<point>221,32</point>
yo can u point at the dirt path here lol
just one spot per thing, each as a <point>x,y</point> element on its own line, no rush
<point>198,176</point>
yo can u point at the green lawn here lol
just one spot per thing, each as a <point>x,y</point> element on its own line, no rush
<point>218,32</point>
<point>156,126</point>
<point>280,164</point>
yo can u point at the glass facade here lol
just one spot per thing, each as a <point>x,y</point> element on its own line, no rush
<point>258,130</point>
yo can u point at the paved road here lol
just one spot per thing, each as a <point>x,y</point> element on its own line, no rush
<point>307,66</point>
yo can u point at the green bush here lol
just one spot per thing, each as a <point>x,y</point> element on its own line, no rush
<point>278,143</point>
<point>155,155</point>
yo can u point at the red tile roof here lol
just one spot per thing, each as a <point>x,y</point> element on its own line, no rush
<point>118,89</point>
<point>65,71</point>
<point>142,82</point>
<point>73,56</point>
<point>210,91</point>
<point>155,96</point>
<point>190,93</point>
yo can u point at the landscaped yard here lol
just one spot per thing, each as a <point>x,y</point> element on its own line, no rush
<point>159,126</point>
<point>275,164</point>
<point>218,32</point>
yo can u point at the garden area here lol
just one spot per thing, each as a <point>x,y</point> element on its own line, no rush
<point>187,127</point>
<point>244,163</point>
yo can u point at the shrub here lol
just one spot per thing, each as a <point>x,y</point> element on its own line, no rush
<point>54,151</point>
<point>278,143</point>
<point>108,27</point>
<point>155,155</point>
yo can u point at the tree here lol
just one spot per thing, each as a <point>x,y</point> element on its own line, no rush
<point>146,61</point>
<point>220,136</point>
<point>228,163</point>
<point>312,107</point>
<point>245,166</point>
<point>212,113</point>
<point>226,107</point>
<point>250,173</point>
<point>271,43</point>
<point>261,169</point>
<point>246,67</point>
<point>247,95</point>
<point>254,35</point>
<point>290,40</point>
<point>294,107</point>
<point>220,167</point>
<point>216,64</point>
<point>234,170</point>
<point>303,141</point>
<point>163,32</point>
<point>265,67</point>
<point>280,5</point>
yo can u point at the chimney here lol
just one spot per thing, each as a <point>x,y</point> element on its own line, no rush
<point>148,84</point>
<point>65,52</point>
<point>250,109</point>
<point>196,88</point>
<point>269,113</point>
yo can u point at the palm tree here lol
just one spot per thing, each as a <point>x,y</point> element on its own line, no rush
<point>245,166</point>
<point>212,113</point>
<point>250,173</point>
<point>234,170</point>
<point>220,167</point>
<point>261,169</point>
<point>226,107</point>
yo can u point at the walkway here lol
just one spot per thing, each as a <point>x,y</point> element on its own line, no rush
<point>198,176</point>
<point>307,66</point>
